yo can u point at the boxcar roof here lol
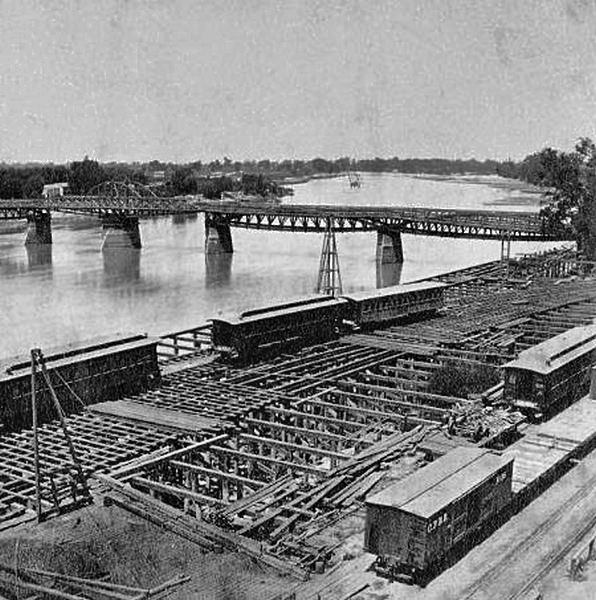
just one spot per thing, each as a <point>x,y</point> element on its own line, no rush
<point>394,290</point>
<point>77,352</point>
<point>432,488</point>
<point>281,312</point>
<point>302,302</point>
<point>556,352</point>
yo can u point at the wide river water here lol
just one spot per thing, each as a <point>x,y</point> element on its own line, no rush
<point>73,291</point>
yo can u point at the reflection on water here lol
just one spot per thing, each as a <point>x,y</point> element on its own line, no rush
<point>39,255</point>
<point>180,219</point>
<point>218,269</point>
<point>121,264</point>
<point>388,274</point>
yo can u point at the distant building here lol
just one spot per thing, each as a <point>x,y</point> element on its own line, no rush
<point>158,176</point>
<point>51,190</point>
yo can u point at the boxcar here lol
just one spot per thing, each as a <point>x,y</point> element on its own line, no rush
<point>396,302</point>
<point>105,369</point>
<point>418,525</point>
<point>261,331</point>
<point>551,375</point>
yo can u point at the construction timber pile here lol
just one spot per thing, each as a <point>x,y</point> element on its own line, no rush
<point>268,458</point>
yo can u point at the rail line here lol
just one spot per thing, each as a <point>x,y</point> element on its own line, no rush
<point>553,560</point>
<point>486,582</point>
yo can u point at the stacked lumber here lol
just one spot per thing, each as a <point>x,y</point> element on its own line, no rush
<point>335,498</point>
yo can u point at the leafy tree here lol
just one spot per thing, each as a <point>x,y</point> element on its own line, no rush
<point>85,175</point>
<point>183,181</point>
<point>570,182</point>
<point>33,186</point>
<point>462,379</point>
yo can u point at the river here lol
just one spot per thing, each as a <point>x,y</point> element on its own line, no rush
<point>72,291</point>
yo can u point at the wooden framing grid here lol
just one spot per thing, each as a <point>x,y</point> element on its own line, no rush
<point>296,418</point>
<point>100,442</point>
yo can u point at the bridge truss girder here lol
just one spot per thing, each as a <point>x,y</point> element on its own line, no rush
<point>314,224</point>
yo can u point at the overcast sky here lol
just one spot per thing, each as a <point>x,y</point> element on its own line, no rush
<point>185,80</point>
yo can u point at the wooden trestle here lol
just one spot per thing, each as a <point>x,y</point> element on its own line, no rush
<point>274,451</point>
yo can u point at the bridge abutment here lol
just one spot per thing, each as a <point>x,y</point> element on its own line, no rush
<point>218,237</point>
<point>120,232</point>
<point>39,228</point>
<point>389,247</point>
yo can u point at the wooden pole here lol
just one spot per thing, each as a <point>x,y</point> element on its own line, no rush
<point>73,454</point>
<point>35,433</point>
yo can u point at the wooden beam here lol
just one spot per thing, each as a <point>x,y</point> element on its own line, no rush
<point>302,431</point>
<point>289,446</point>
<point>219,474</point>
<point>176,491</point>
<point>377,414</point>
<point>151,462</point>
<point>272,460</point>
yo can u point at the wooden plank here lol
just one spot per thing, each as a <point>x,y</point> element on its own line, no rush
<point>271,460</point>
<point>165,488</point>
<point>156,417</point>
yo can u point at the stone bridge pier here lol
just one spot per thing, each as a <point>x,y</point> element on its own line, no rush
<point>120,231</point>
<point>390,257</point>
<point>39,228</point>
<point>218,237</point>
<point>389,247</point>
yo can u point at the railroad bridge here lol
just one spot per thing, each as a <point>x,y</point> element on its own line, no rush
<point>120,206</point>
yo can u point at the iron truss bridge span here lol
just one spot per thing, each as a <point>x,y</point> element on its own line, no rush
<point>100,206</point>
<point>522,226</point>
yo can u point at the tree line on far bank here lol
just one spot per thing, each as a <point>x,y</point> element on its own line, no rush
<point>210,179</point>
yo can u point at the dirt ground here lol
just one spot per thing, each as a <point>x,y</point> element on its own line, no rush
<point>97,540</point>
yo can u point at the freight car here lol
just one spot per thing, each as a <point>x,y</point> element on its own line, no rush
<point>262,331</point>
<point>393,303</point>
<point>551,375</point>
<point>417,526</point>
<point>105,369</point>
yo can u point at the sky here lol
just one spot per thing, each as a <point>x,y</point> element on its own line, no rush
<point>186,80</point>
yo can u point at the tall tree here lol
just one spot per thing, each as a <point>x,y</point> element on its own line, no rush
<point>570,179</point>
<point>84,175</point>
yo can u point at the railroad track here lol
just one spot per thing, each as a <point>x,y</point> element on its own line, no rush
<point>488,578</point>
<point>552,560</point>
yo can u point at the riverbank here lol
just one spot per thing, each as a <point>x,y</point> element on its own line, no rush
<point>517,191</point>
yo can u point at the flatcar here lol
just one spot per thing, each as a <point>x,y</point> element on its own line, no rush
<point>394,303</point>
<point>419,525</point>
<point>262,331</point>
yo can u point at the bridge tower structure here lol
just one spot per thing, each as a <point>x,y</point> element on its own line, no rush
<point>329,279</point>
